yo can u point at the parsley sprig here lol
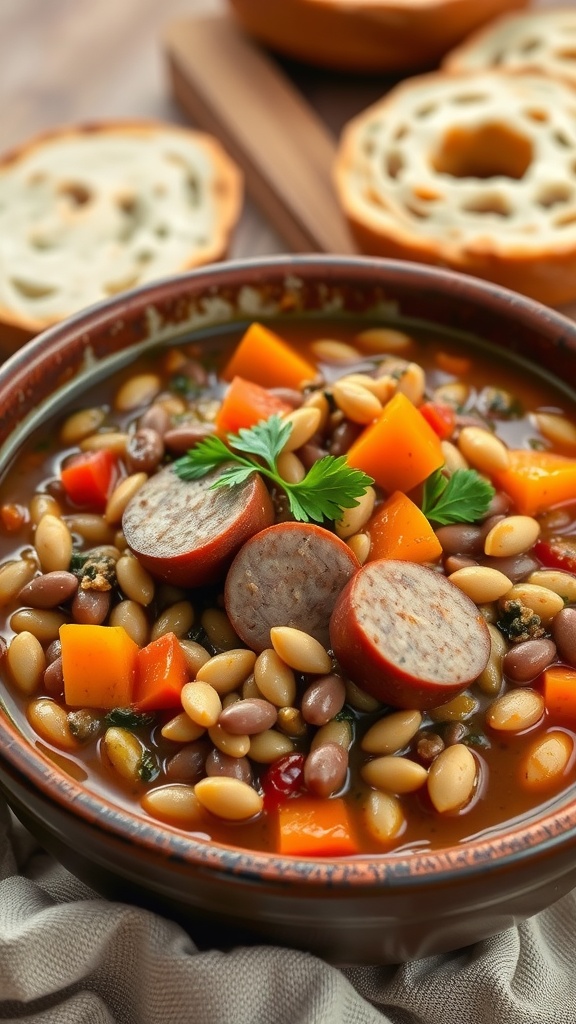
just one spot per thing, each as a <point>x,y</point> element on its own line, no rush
<point>463,497</point>
<point>330,486</point>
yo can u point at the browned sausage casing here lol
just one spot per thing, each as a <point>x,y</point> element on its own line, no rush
<point>408,636</point>
<point>186,533</point>
<point>288,575</point>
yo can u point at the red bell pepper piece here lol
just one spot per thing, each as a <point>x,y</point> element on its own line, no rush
<point>89,477</point>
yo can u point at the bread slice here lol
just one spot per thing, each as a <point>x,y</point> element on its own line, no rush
<point>88,211</point>
<point>367,35</point>
<point>543,41</point>
<point>474,172</point>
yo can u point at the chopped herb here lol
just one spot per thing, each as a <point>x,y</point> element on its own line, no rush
<point>127,718</point>
<point>500,403</point>
<point>84,724</point>
<point>95,569</point>
<point>330,486</point>
<point>345,715</point>
<point>463,497</point>
<point>148,768</point>
<point>518,623</point>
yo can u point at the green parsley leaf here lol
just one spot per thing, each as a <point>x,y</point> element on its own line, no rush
<point>463,497</point>
<point>330,486</point>
<point>127,718</point>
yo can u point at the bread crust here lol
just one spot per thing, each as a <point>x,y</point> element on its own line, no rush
<point>89,210</point>
<point>542,41</point>
<point>367,35</point>
<point>472,172</point>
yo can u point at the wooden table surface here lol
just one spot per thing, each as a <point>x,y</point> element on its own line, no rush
<point>62,61</point>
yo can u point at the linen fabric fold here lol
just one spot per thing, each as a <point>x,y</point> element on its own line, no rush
<point>69,957</point>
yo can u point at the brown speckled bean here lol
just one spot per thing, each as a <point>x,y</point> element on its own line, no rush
<point>524,661</point>
<point>460,539</point>
<point>248,716</point>
<point>144,451</point>
<point>325,769</point>
<point>53,651</point>
<point>343,436</point>
<point>179,439</point>
<point>155,418</point>
<point>220,764</point>
<point>564,634</point>
<point>53,679</point>
<point>323,699</point>
<point>455,562</point>
<point>49,590</point>
<point>311,453</point>
<point>91,607</point>
<point>187,764</point>
<point>516,568</point>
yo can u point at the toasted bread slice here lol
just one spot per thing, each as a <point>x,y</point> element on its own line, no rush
<point>88,211</point>
<point>367,35</point>
<point>473,172</point>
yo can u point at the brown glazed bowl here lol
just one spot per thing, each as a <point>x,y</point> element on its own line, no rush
<point>383,909</point>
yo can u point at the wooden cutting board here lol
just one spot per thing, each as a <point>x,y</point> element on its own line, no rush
<point>229,87</point>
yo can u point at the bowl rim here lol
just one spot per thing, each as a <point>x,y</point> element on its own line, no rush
<point>503,847</point>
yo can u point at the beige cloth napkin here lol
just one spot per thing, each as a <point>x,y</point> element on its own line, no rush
<point>69,957</point>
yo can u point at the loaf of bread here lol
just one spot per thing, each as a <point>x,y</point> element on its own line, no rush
<point>86,212</point>
<point>542,41</point>
<point>367,35</point>
<point>476,172</point>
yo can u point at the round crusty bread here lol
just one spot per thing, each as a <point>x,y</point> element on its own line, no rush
<point>473,172</point>
<point>542,41</point>
<point>88,211</point>
<point>367,35</point>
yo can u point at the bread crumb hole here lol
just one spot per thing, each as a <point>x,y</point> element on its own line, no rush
<point>78,194</point>
<point>487,151</point>
<point>394,164</point>
<point>565,220</point>
<point>488,202</point>
<point>32,289</point>
<point>553,195</point>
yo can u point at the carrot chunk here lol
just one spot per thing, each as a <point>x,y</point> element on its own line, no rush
<point>399,529</point>
<point>559,690</point>
<point>263,357</point>
<point>537,480</point>
<point>161,672</point>
<point>245,404</point>
<point>315,828</point>
<point>400,449</point>
<point>98,665</point>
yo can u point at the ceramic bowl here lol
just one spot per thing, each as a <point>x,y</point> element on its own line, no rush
<point>365,910</point>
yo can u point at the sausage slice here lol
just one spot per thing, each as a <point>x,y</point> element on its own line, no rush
<point>408,636</point>
<point>186,533</point>
<point>287,575</point>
